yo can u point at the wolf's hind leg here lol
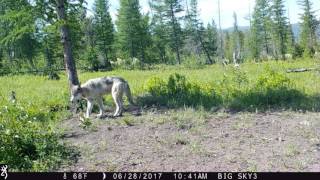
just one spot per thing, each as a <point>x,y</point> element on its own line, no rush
<point>117,97</point>
<point>120,102</point>
<point>116,101</point>
<point>101,107</point>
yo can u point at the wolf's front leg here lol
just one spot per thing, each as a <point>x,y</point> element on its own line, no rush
<point>101,107</point>
<point>89,108</point>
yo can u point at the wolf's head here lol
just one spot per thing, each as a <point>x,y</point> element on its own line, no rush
<point>76,93</point>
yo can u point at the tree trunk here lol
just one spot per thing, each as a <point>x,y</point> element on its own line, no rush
<point>31,63</point>
<point>204,49</point>
<point>173,19</point>
<point>66,41</point>
<point>1,56</point>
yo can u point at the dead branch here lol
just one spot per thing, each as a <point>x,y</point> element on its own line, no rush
<point>298,70</point>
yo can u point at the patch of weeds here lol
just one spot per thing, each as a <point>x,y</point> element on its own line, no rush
<point>128,121</point>
<point>291,151</point>
<point>196,147</point>
<point>244,122</point>
<point>111,167</point>
<point>181,140</point>
<point>252,167</point>
<point>85,123</point>
<point>182,122</point>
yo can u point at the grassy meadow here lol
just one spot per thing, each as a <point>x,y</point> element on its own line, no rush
<point>30,141</point>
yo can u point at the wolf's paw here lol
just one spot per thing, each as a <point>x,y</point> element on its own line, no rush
<point>101,116</point>
<point>117,115</point>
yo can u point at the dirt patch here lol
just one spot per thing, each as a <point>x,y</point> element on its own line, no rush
<point>189,140</point>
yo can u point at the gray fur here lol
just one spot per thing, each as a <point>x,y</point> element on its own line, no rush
<point>94,89</point>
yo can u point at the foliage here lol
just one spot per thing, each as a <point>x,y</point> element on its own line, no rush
<point>30,140</point>
<point>308,29</point>
<point>272,90</point>
<point>177,91</point>
<point>261,26</point>
<point>234,91</point>
<point>133,36</point>
<point>280,29</point>
<point>104,30</point>
<point>27,141</point>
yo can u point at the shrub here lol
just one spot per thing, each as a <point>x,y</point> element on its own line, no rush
<point>272,90</point>
<point>27,142</point>
<point>177,91</point>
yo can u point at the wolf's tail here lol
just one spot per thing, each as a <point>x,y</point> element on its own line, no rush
<point>127,91</point>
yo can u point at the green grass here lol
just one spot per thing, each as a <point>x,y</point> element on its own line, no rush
<point>44,102</point>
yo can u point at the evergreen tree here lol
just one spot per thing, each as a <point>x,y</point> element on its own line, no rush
<point>260,31</point>
<point>212,39</point>
<point>196,31</point>
<point>17,31</point>
<point>191,44</point>
<point>159,30</point>
<point>104,30</point>
<point>309,26</point>
<point>91,54</point>
<point>133,31</point>
<point>280,28</point>
<point>291,44</point>
<point>171,9</point>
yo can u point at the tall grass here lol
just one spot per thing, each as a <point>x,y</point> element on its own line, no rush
<point>30,139</point>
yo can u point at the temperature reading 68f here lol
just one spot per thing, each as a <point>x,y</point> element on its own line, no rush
<point>79,176</point>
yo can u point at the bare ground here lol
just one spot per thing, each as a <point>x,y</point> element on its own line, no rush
<point>190,140</point>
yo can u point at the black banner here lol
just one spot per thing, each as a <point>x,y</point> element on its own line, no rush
<point>160,176</point>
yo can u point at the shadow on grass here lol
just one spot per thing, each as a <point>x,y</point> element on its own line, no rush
<point>69,156</point>
<point>272,91</point>
<point>250,101</point>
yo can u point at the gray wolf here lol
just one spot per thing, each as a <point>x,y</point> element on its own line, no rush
<point>95,89</point>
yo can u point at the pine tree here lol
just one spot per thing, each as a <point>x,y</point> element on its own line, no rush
<point>133,32</point>
<point>196,31</point>
<point>91,53</point>
<point>291,44</point>
<point>104,30</point>
<point>260,31</point>
<point>159,30</point>
<point>280,28</point>
<point>171,9</point>
<point>17,31</point>
<point>211,40</point>
<point>67,44</point>
<point>309,26</point>
<point>192,28</point>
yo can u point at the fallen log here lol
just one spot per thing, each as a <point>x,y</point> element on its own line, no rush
<point>300,70</point>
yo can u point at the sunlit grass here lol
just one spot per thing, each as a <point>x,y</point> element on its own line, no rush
<point>38,90</point>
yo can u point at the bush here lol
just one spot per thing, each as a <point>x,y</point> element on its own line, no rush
<point>177,91</point>
<point>272,90</point>
<point>27,142</point>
